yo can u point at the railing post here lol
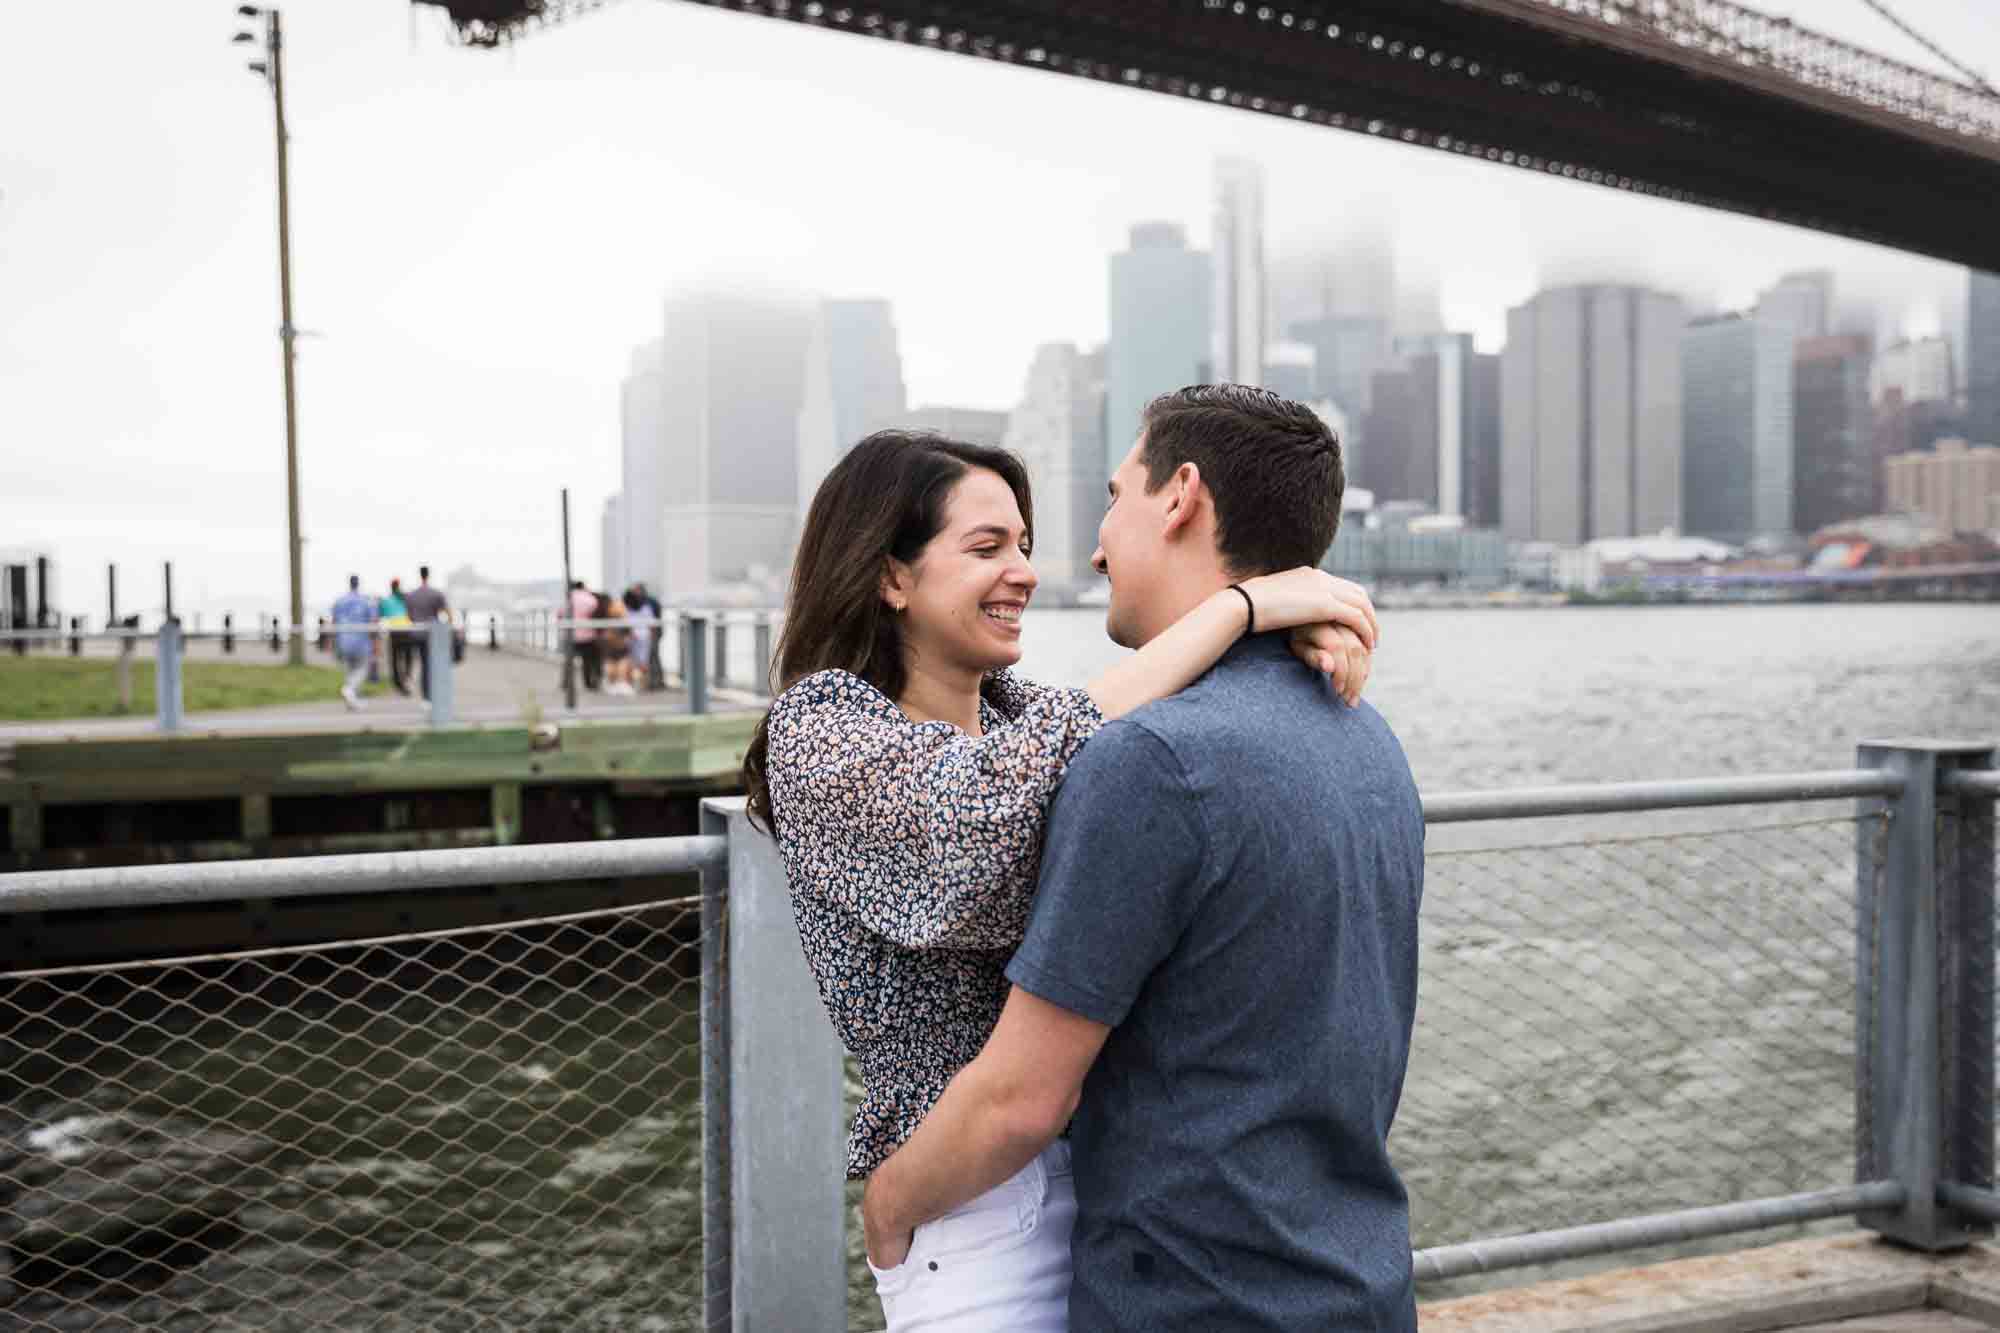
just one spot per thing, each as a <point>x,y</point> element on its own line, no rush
<point>762,654</point>
<point>717,1230</point>
<point>694,661</point>
<point>786,1152</point>
<point>1904,1117</point>
<point>125,649</point>
<point>1966,898</point>
<point>167,676</point>
<point>437,656</point>
<point>721,674</point>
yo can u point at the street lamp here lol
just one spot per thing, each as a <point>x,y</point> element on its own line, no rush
<point>272,70</point>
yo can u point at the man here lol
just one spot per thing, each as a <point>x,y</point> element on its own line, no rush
<point>1219,976</point>
<point>354,647</point>
<point>426,605</point>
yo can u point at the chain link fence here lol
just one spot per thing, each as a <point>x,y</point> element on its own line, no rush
<point>1619,1026</point>
<point>497,1128</point>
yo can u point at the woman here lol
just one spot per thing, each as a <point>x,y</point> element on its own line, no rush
<point>905,773</point>
<point>639,612</point>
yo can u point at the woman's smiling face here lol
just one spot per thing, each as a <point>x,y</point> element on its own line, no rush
<point>964,595</point>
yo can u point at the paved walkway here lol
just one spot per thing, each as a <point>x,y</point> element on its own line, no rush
<point>489,688</point>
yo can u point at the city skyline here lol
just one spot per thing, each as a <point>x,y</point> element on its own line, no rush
<point>468,301</point>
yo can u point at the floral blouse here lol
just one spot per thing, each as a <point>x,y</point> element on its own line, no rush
<point>911,851</point>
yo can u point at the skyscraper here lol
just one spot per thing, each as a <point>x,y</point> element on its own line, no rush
<point>1738,449</point>
<point>853,385</point>
<point>1982,358</point>
<point>1058,430</point>
<point>646,447</point>
<point>1918,368</point>
<point>611,530</point>
<point>1835,472</point>
<point>1238,310</point>
<point>973,425</point>
<point>1347,352</point>
<point>1159,328</point>
<point>1591,415</point>
<point>1803,301</point>
<point>1433,432</point>
<point>734,377</point>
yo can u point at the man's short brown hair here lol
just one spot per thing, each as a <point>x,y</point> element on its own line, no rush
<point>1271,464</point>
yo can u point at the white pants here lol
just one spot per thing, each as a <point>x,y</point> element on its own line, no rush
<point>357,673</point>
<point>999,1264</point>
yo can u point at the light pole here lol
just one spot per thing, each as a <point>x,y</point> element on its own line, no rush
<point>272,69</point>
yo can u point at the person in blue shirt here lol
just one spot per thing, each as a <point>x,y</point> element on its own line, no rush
<point>353,621</point>
<point>1218,982</point>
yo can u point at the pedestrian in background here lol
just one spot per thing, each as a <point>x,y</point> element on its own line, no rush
<point>643,614</point>
<point>583,638</point>
<point>396,619</point>
<point>426,605</point>
<point>614,642</point>
<point>655,678</point>
<point>354,646</point>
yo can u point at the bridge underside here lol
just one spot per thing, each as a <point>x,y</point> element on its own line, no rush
<point>1454,76</point>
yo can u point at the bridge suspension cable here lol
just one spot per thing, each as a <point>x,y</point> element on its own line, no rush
<point>1974,75</point>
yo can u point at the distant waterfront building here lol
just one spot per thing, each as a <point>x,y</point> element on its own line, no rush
<point>611,530</point>
<point>973,425</point>
<point>1348,351</point>
<point>1590,407</point>
<point>1160,325</point>
<point>1238,269</point>
<point>734,380</point>
<point>1900,426</point>
<point>1803,301</point>
<point>1918,368</point>
<point>853,385</point>
<point>1433,435</point>
<point>1834,466</point>
<point>646,449</point>
<point>1956,486</point>
<point>1982,358</point>
<point>1736,383</point>
<point>1058,430</point>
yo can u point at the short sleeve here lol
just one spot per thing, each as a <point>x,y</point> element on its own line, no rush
<point>1120,879</point>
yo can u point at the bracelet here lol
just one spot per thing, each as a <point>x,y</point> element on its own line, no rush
<point>1249,627</point>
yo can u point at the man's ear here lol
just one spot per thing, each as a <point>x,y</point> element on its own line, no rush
<point>1184,499</point>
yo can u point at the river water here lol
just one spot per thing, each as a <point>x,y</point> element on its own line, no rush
<point>1619,1015</point>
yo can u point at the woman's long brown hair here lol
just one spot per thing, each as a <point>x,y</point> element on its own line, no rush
<point>886,497</point>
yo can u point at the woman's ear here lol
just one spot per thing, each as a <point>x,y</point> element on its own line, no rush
<point>897,580</point>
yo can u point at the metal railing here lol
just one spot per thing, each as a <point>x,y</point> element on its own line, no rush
<point>690,650</point>
<point>1627,1038</point>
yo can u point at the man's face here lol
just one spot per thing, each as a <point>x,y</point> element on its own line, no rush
<point>1129,547</point>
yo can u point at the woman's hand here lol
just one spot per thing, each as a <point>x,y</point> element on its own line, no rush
<point>1338,652</point>
<point>1307,596</point>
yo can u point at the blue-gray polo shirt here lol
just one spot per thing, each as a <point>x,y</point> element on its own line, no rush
<point>1231,882</point>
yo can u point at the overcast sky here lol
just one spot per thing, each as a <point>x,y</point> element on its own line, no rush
<point>479,238</point>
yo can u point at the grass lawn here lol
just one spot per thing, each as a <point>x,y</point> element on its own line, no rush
<point>42,689</point>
